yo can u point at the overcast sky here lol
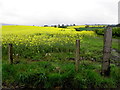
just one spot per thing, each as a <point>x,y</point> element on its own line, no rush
<point>40,12</point>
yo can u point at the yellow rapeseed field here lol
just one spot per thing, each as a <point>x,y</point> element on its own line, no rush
<point>34,39</point>
<point>34,35</point>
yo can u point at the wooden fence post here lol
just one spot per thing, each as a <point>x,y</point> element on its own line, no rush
<point>77,54</point>
<point>107,51</point>
<point>10,53</point>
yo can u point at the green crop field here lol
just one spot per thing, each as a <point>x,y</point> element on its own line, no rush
<point>44,57</point>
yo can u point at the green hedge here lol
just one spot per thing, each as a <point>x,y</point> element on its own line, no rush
<point>115,32</point>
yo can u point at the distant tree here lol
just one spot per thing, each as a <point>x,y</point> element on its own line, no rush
<point>74,25</point>
<point>62,26</point>
<point>55,26</point>
<point>58,25</point>
<point>45,25</point>
<point>98,25</point>
<point>87,26</point>
<point>118,25</point>
<point>67,25</point>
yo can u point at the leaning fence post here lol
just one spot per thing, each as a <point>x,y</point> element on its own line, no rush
<point>10,53</point>
<point>77,54</point>
<point>107,51</point>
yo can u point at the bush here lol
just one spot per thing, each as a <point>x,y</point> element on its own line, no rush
<point>115,32</point>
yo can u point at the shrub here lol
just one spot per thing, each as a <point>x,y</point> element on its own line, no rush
<point>115,32</point>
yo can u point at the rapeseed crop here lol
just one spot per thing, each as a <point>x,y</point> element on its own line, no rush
<point>33,40</point>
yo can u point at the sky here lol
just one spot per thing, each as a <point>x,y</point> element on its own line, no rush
<point>41,12</point>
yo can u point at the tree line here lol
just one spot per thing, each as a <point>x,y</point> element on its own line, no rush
<point>60,26</point>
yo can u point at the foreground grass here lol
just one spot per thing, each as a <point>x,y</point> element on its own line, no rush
<point>45,74</point>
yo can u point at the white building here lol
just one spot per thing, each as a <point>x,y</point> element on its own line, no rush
<point>119,12</point>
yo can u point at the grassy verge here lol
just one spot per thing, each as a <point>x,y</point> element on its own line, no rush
<point>46,74</point>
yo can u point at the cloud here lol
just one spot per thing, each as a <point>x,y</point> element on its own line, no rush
<point>41,12</point>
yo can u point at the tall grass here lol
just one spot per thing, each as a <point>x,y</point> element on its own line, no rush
<point>46,74</point>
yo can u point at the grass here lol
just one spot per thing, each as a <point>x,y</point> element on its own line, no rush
<point>47,74</point>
